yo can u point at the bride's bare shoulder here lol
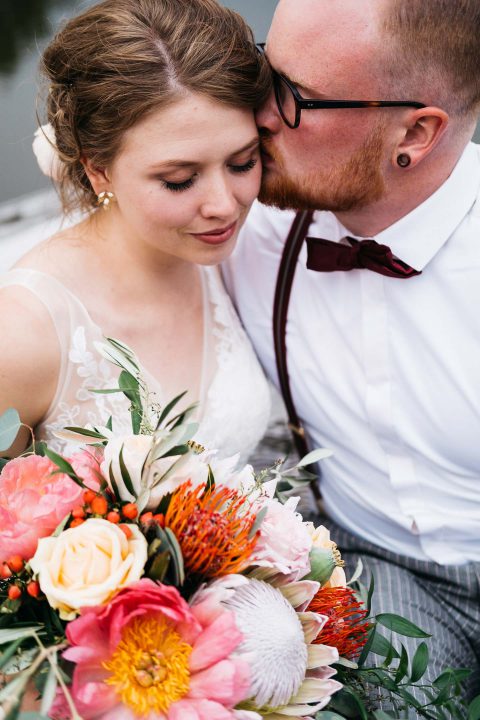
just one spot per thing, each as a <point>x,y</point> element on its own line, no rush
<point>54,253</point>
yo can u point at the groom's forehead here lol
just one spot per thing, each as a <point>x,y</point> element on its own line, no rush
<point>316,22</point>
<point>309,39</point>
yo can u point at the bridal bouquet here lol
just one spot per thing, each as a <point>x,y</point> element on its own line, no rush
<point>141,577</point>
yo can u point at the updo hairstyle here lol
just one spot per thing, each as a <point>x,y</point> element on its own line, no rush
<point>122,59</point>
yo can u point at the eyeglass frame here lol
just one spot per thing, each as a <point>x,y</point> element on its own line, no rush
<point>302,103</point>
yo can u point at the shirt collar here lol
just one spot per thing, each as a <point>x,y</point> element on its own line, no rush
<point>417,237</point>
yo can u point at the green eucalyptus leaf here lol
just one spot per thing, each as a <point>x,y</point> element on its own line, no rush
<point>382,715</point>
<point>401,625</point>
<point>327,715</point>
<point>315,456</point>
<point>49,689</point>
<point>258,521</point>
<point>125,474</point>
<point>402,669</point>
<point>10,425</point>
<point>61,526</point>
<point>368,645</point>
<point>182,417</point>
<point>169,407</point>
<point>158,568</point>
<point>8,635</point>
<point>210,485</point>
<point>357,572</point>
<point>382,646</point>
<point>177,557</point>
<point>474,709</point>
<point>371,589</point>
<point>419,662</point>
<point>64,466</point>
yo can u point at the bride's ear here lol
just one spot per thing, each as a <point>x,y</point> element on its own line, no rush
<point>98,177</point>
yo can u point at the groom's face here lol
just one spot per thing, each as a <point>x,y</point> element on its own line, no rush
<point>335,159</point>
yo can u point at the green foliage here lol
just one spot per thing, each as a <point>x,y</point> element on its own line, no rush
<point>10,425</point>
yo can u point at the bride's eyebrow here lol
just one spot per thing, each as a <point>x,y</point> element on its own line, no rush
<point>253,144</point>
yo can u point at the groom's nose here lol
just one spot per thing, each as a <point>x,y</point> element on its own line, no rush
<point>267,116</point>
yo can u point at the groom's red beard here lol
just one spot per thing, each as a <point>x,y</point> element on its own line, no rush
<point>357,183</point>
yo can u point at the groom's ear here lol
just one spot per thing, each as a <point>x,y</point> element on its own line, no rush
<point>421,131</point>
<point>98,177</point>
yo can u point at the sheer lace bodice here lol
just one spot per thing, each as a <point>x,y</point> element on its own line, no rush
<point>234,395</point>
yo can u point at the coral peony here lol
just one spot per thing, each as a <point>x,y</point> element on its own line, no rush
<point>148,654</point>
<point>32,503</point>
<point>86,464</point>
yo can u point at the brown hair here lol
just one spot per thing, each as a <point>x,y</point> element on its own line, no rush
<point>435,46</point>
<point>122,59</point>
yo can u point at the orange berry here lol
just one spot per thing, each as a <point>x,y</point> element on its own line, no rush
<point>5,571</point>
<point>160,519</point>
<point>99,505</point>
<point>130,511</point>
<point>146,517</point>
<point>88,496</point>
<point>126,530</point>
<point>113,516</point>
<point>14,592</point>
<point>15,563</point>
<point>78,512</point>
<point>33,589</point>
<point>76,522</point>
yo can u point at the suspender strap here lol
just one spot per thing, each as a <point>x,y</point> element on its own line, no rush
<point>286,273</point>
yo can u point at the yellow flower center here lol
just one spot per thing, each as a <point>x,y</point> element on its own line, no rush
<point>150,666</point>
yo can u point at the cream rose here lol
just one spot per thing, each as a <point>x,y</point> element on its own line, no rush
<point>84,566</point>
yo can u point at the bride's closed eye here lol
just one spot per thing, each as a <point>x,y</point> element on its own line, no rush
<point>186,184</point>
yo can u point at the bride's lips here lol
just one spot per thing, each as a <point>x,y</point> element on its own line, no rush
<point>218,235</point>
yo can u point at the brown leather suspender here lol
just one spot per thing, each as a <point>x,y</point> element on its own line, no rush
<point>283,289</point>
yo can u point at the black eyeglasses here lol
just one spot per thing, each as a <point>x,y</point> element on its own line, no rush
<point>290,103</point>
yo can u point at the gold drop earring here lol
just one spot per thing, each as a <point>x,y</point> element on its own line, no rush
<point>105,198</point>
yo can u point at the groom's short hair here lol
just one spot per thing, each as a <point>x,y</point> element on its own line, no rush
<point>436,44</point>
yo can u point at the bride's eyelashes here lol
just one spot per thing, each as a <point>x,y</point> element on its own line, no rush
<point>186,184</point>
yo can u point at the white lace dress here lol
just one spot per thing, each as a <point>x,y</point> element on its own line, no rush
<point>234,402</point>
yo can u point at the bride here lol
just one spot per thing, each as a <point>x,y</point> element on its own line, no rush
<point>150,109</point>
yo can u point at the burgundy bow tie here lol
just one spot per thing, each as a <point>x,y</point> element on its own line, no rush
<point>327,256</point>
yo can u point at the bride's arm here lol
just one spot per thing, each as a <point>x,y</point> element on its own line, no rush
<point>29,360</point>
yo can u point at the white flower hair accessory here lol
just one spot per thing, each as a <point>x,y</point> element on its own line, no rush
<point>45,150</point>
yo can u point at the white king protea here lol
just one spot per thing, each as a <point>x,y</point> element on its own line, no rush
<point>290,675</point>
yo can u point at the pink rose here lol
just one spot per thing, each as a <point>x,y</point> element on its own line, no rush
<point>284,544</point>
<point>32,503</point>
<point>148,654</point>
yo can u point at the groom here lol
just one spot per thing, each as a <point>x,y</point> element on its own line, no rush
<point>383,336</point>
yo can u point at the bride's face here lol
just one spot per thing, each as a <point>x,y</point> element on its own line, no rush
<point>185,177</point>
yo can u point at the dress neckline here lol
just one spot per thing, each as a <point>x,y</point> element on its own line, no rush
<point>156,386</point>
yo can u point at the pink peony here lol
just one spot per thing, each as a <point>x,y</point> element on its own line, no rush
<point>284,544</point>
<point>147,653</point>
<point>32,503</point>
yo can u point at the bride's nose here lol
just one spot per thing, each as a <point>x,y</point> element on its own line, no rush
<point>219,199</point>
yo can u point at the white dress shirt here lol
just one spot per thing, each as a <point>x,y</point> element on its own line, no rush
<point>385,371</point>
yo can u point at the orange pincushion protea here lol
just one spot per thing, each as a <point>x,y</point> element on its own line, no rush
<point>213,529</point>
<point>346,627</point>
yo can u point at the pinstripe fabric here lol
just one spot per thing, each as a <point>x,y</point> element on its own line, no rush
<point>444,600</point>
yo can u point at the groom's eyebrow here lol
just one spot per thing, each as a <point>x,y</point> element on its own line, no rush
<point>191,163</point>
